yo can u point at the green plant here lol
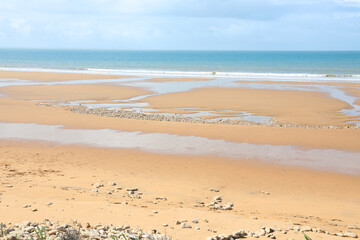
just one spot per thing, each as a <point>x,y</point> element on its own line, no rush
<point>40,232</point>
<point>2,230</point>
<point>306,237</point>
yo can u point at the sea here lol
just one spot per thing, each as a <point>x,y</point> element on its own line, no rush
<point>265,65</point>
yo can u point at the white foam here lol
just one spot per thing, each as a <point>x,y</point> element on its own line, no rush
<point>303,77</point>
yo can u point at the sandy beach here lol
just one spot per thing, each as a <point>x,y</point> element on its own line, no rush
<point>62,182</point>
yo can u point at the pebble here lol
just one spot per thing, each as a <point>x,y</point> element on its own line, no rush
<point>196,228</point>
<point>185,225</point>
<point>350,234</point>
<point>26,206</point>
<point>112,183</point>
<point>306,229</point>
<point>214,190</point>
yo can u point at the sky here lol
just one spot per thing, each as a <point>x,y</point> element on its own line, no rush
<point>181,24</point>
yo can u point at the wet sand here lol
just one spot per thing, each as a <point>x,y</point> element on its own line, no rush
<point>52,76</point>
<point>178,79</point>
<point>43,172</point>
<point>295,107</point>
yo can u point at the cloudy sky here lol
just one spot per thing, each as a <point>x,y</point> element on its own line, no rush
<point>181,24</point>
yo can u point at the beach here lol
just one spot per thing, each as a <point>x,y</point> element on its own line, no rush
<point>258,154</point>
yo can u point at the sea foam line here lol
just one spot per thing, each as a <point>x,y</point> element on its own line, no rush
<point>304,77</point>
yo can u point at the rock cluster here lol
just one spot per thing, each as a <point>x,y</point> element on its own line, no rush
<point>50,231</point>
<point>130,114</point>
<point>216,204</point>
<point>270,233</point>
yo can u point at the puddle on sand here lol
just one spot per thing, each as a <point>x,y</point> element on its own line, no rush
<point>320,159</point>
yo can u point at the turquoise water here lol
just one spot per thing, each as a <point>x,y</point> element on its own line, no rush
<point>184,62</point>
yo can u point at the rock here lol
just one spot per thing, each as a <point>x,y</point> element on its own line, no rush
<point>271,236</point>
<point>352,227</point>
<point>214,190</point>
<point>255,236</point>
<point>52,232</point>
<point>196,228</point>
<point>185,225</point>
<point>350,234</point>
<point>35,210</point>
<point>165,225</point>
<point>49,204</point>
<point>155,212</point>
<point>261,232</point>
<point>161,198</point>
<point>29,229</point>
<point>112,183</point>
<point>98,185</point>
<point>306,229</point>
<point>26,223</point>
<point>125,203</point>
<point>339,234</point>
<point>217,199</point>
<point>26,206</point>
<point>269,230</point>
<point>195,221</point>
<point>177,223</point>
<point>9,186</point>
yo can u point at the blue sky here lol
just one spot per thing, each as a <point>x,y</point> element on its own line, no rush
<point>181,24</point>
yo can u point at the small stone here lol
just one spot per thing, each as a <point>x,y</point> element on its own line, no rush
<point>185,225</point>
<point>196,228</point>
<point>155,212</point>
<point>26,206</point>
<point>125,203</point>
<point>306,229</point>
<point>9,186</point>
<point>112,183</point>
<point>161,198</point>
<point>165,225</point>
<point>49,204</point>
<point>35,210</point>
<point>195,221</point>
<point>255,236</point>
<point>350,234</point>
<point>177,223</point>
<point>214,190</point>
<point>352,227</point>
<point>320,230</point>
<point>339,234</point>
<point>261,232</point>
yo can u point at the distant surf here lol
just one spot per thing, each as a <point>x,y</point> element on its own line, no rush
<point>251,65</point>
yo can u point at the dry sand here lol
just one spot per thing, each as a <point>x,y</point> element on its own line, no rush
<point>43,173</point>
<point>40,173</point>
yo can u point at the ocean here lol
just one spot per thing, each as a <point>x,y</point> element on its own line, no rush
<point>253,64</point>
